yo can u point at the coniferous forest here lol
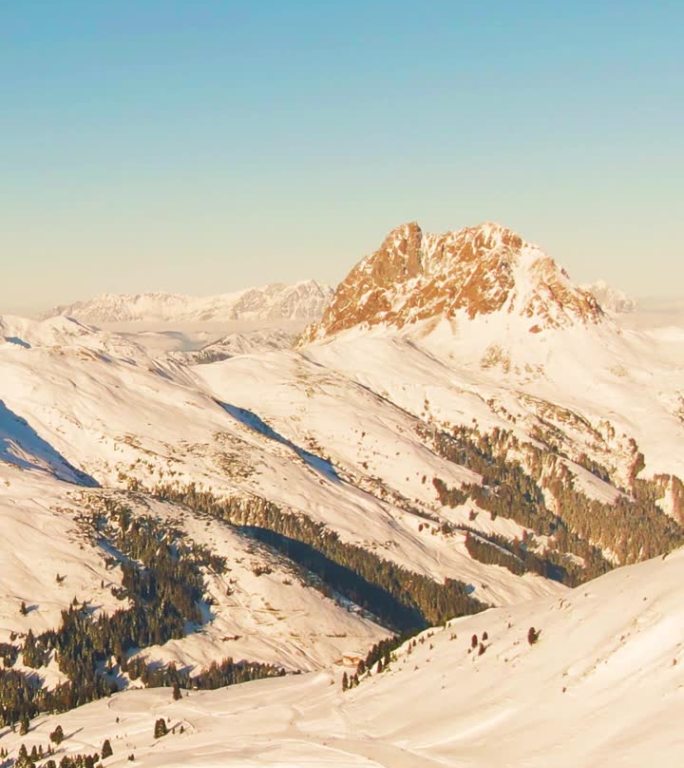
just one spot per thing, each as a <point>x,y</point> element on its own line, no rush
<point>536,488</point>
<point>402,599</point>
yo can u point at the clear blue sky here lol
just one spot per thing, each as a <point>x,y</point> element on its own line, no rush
<point>204,146</point>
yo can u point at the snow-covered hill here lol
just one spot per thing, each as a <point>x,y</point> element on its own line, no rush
<point>65,333</point>
<point>602,685</point>
<point>302,301</point>
<point>135,420</point>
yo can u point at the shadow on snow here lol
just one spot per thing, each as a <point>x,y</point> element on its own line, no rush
<point>251,420</point>
<point>22,446</point>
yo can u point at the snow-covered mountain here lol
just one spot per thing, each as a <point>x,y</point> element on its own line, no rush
<point>463,428</point>
<point>67,334</point>
<point>506,323</point>
<point>262,608</point>
<point>302,301</point>
<point>374,430</point>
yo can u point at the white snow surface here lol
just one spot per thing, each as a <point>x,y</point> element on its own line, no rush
<point>490,368</point>
<point>242,342</point>
<point>272,618</point>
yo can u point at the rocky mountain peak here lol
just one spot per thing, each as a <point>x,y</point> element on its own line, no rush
<point>474,271</point>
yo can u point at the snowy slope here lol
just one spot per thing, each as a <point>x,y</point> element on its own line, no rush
<point>602,686</point>
<point>39,529</point>
<point>273,617</point>
<point>489,369</point>
<point>64,333</point>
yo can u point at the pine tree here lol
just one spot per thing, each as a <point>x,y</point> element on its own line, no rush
<point>176,691</point>
<point>57,736</point>
<point>345,682</point>
<point>160,728</point>
<point>106,749</point>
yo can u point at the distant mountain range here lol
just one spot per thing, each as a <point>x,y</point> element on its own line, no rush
<point>276,302</point>
<point>611,299</point>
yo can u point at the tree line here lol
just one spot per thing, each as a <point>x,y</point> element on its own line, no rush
<point>401,598</point>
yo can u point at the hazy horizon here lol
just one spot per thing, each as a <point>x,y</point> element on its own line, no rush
<point>202,148</point>
<point>655,304</point>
